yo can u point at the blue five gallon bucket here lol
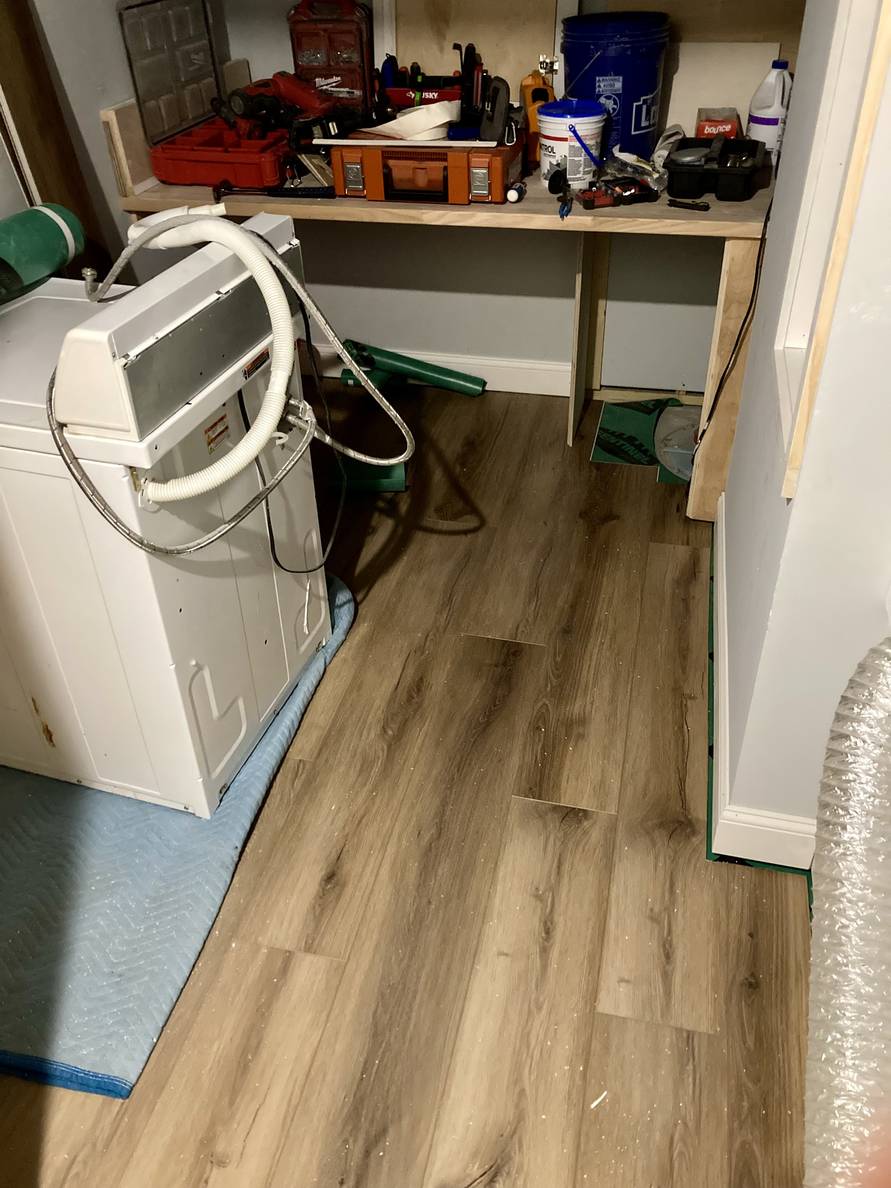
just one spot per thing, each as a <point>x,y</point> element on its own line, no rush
<point>616,58</point>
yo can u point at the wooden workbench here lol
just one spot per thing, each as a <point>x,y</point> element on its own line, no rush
<point>739,224</point>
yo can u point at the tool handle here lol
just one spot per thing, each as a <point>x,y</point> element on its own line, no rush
<point>687,204</point>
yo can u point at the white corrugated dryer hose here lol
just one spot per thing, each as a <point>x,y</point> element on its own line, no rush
<point>170,233</point>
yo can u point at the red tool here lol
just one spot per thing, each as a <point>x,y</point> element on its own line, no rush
<point>268,96</point>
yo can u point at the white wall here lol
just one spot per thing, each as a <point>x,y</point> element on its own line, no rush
<point>806,579</point>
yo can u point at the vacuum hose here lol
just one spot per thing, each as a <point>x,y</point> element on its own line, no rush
<point>848,1096</point>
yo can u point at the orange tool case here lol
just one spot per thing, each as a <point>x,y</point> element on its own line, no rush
<point>459,175</point>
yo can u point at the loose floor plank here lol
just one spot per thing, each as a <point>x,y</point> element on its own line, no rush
<point>513,1101</point>
<point>369,1105</point>
<point>578,736</point>
<point>661,952</point>
<point>655,1113</point>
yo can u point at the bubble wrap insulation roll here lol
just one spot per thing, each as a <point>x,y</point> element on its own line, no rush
<point>847,1115</point>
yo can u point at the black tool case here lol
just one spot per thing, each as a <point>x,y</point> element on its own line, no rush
<point>727,179</point>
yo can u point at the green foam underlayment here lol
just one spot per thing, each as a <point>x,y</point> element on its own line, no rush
<point>625,435</point>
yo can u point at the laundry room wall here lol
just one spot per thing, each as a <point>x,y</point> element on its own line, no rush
<point>807,577</point>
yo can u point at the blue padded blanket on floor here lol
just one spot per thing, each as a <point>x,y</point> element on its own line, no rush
<point>105,903</point>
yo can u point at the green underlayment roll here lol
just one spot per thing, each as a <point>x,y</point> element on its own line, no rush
<point>34,244</point>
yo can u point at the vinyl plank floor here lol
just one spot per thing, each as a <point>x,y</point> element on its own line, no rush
<point>513,1099</point>
<point>369,1104</point>
<point>661,952</point>
<point>316,849</point>
<point>250,1020</point>
<point>353,1008</point>
<point>763,1025</point>
<point>655,1108</point>
<point>578,737</point>
<point>460,481</point>
<point>52,1137</point>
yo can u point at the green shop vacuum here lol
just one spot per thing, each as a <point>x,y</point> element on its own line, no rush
<point>35,244</point>
<point>383,368</point>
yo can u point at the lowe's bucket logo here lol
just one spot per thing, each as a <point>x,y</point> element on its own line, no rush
<point>610,104</point>
<point>608,89</point>
<point>644,113</point>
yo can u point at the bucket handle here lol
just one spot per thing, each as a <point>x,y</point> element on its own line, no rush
<point>584,70</point>
<point>597,162</point>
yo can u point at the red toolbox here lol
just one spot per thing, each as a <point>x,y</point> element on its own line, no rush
<point>213,152</point>
<point>331,43</point>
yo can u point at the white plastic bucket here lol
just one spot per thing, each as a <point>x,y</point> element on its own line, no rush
<point>560,149</point>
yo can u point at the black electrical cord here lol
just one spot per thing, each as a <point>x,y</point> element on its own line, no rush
<point>317,380</point>
<point>743,327</point>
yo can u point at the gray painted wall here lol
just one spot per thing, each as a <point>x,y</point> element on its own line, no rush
<point>448,290</point>
<point>660,311</point>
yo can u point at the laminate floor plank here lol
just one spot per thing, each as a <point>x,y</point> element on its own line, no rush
<point>513,1100</point>
<point>48,1136</point>
<point>669,522</point>
<point>368,1109</point>
<point>408,562</point>
<point>316,849</point>
<point>250,1020</point>
<point>578,736</point>
<point>655,1108</point>
<point>763,1025</point>
<point>502,561</point>
<point>662,950</point>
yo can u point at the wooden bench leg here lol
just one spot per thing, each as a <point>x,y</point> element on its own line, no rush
<point>712,460</point>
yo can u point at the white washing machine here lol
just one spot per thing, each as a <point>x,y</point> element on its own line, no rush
<point>140,674</point>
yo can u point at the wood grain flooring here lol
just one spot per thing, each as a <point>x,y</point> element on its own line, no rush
<point>513,1101</point>
<point>474,940</point>
<point>665,901</point>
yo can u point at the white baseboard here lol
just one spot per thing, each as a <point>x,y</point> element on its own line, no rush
<point>532,376</point>
<point>737,832</point>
